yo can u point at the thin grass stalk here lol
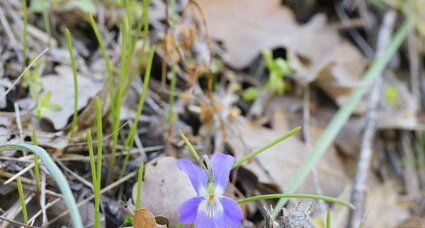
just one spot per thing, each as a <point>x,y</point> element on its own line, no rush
<point>46,20</point>
<point>265,147</point>
<point>192,150</point>
<point>99,132</point>
<point>36,163</point>
<point>109,69</point>
<point>25,33</point>
<point>139,185</point>
<point>130,139</point>
<point>74,126</point>
<point>119,97</point>
<point>145,23</point>
<point>96,190</point>
<point>328,219</point>
<point>22,200</point>
<point>297,196</point>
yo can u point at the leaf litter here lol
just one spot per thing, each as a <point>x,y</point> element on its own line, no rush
<point>227,39</point>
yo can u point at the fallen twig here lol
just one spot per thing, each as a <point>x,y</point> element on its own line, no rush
<point>357,195</point>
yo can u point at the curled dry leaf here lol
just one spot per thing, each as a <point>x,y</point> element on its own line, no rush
<point>62,88</point>
<point>165,188</point>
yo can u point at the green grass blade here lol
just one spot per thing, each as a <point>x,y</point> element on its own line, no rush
<point>328,219</point>
<point>130,139</point>
<point>92,162</point>
<point>109,69</point>
<point>139,185</point>
<point>22,200</point>
<point>36,163</point>
<point>97,180</point>
<point>192,150</point>
<point>124,65</point>
<point>267,146</point>
<point>343,114</point>
<point>297,196</point>
<point>145,23</point>
<point>46,20</point>
<point>96,190</point>
<point>74,73</point>
<point>25,32</point>
<point>57,175</point>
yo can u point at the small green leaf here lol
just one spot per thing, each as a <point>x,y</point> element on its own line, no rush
<point>128,221</point>
<point>45,99</point>
<point>251,93</point>
<point>275,83</point>
<point>54,107</point>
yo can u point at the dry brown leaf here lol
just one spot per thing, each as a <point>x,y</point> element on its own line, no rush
<point>318,52</point>
<point>143,218</point>
<point>165,188</point>
<point>278,164</point>
<point>62,88</point>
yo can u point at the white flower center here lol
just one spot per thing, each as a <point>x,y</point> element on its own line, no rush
<point>211,206</point>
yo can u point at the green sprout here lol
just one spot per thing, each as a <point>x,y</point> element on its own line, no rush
<point>278,68</point>
<point>44,104</point>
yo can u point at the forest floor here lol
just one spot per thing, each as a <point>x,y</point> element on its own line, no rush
<point>230,76</point>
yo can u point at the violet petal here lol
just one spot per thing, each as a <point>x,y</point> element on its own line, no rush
<point>197,175</point>
<point>221,165</point>
<point>205,221</point>
<point>189,210</point>
<point>232,212</point>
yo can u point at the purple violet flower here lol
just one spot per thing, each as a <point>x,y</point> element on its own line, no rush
<point>210,209</point>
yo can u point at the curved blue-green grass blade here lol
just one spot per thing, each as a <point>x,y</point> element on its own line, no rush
<point>57,175</point>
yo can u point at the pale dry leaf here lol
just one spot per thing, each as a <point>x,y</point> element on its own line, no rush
<point>61,86</point>
<point>384,207</point>
<point>316,49</point>
<point>165,188</point>
<point>278,164</point>
<point>247,27</point>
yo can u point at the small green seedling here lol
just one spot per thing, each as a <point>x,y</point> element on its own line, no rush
<point>278,68</point>
<point>44,104</point>
<point>31,81</point>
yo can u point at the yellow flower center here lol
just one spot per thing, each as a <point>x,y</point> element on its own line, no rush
<point>211,198</point>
